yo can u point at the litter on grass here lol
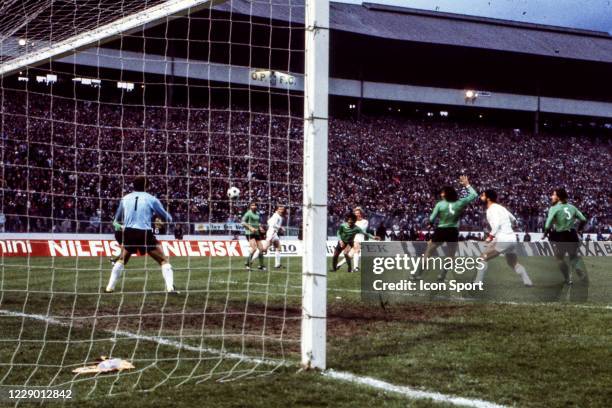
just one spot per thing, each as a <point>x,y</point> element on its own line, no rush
<point>106,365</point>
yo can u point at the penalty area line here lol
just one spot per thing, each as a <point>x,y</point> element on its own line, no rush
<point>405,391</point>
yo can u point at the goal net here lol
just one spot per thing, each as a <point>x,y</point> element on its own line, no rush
<point>198,97</point>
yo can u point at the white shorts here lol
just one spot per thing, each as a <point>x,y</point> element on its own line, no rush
<point>272,236</point>
<point>359,238</point>
<point>504,244</point>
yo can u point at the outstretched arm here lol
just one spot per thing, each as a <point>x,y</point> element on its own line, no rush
<point>472,194</point>
<point>367,234</point>
<point>119,214</point>
<point>161,211</point>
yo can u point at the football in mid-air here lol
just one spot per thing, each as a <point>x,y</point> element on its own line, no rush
<point>233,192</point>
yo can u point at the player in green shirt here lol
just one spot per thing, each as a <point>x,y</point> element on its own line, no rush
<point>563,217</point>
<point>253,233</point>
<point>448,211</point>
<point>346,238</point>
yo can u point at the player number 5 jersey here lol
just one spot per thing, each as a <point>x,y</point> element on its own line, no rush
<point>563,216</point>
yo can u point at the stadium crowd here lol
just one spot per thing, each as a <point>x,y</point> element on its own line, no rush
<point>67,162</point>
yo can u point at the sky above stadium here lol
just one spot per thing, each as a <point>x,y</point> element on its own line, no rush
<point>586,14</point>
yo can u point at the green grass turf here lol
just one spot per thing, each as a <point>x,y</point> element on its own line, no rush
<point>527,355</point>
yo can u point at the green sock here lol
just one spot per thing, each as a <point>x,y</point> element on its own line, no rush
<point>578,264</point>
<point>564,270</point>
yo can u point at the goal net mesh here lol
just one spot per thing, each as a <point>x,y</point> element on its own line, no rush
<point>205,98</point>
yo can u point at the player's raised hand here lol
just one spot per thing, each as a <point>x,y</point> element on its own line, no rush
<point>463,180</point>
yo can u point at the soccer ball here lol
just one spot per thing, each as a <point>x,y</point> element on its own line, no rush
<point>233,192</point>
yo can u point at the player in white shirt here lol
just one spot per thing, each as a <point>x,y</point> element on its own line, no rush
<point>355,252</point>
<point>501,239</point>
<point>275,225</point>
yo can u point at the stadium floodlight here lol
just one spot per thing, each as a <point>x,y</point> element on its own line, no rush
<point>128,86</point>
<point>96,83</point>
<point>46,79</point>
<point>471,95</point>
<point>22,41</point>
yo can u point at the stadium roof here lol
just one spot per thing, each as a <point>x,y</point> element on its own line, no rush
<point>406,24</point>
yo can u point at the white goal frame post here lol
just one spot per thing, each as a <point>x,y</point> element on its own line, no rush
<point>314,261</point>
<point>316,84</point>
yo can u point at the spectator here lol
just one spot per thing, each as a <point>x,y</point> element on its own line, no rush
<point>178,232</point>
<point>381,232</point>
<point>72,170</point>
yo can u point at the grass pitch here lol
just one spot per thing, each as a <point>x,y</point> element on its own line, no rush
<point>537,355</point>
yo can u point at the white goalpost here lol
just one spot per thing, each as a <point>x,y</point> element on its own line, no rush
<point>314,267</point>
<point>198,96</point>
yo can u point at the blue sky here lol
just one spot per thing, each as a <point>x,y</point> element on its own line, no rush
<point>587,14</point>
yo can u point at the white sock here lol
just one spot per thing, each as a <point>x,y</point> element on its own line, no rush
<point>520,269</point>
<point>168,274</point>
<point>255,254</point>
<point>115,275</point>
<point>342,261</point>
<point>277,257</point>
<point>356,260</point>
<point>481,273</point>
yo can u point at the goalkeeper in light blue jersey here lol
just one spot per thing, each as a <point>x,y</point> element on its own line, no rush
<point>137,209</point>
<point>133,223</point>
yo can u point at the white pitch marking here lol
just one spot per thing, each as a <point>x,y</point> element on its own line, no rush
<point>332,374</point>
<point>410,392</point>
<point>154,339</point>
